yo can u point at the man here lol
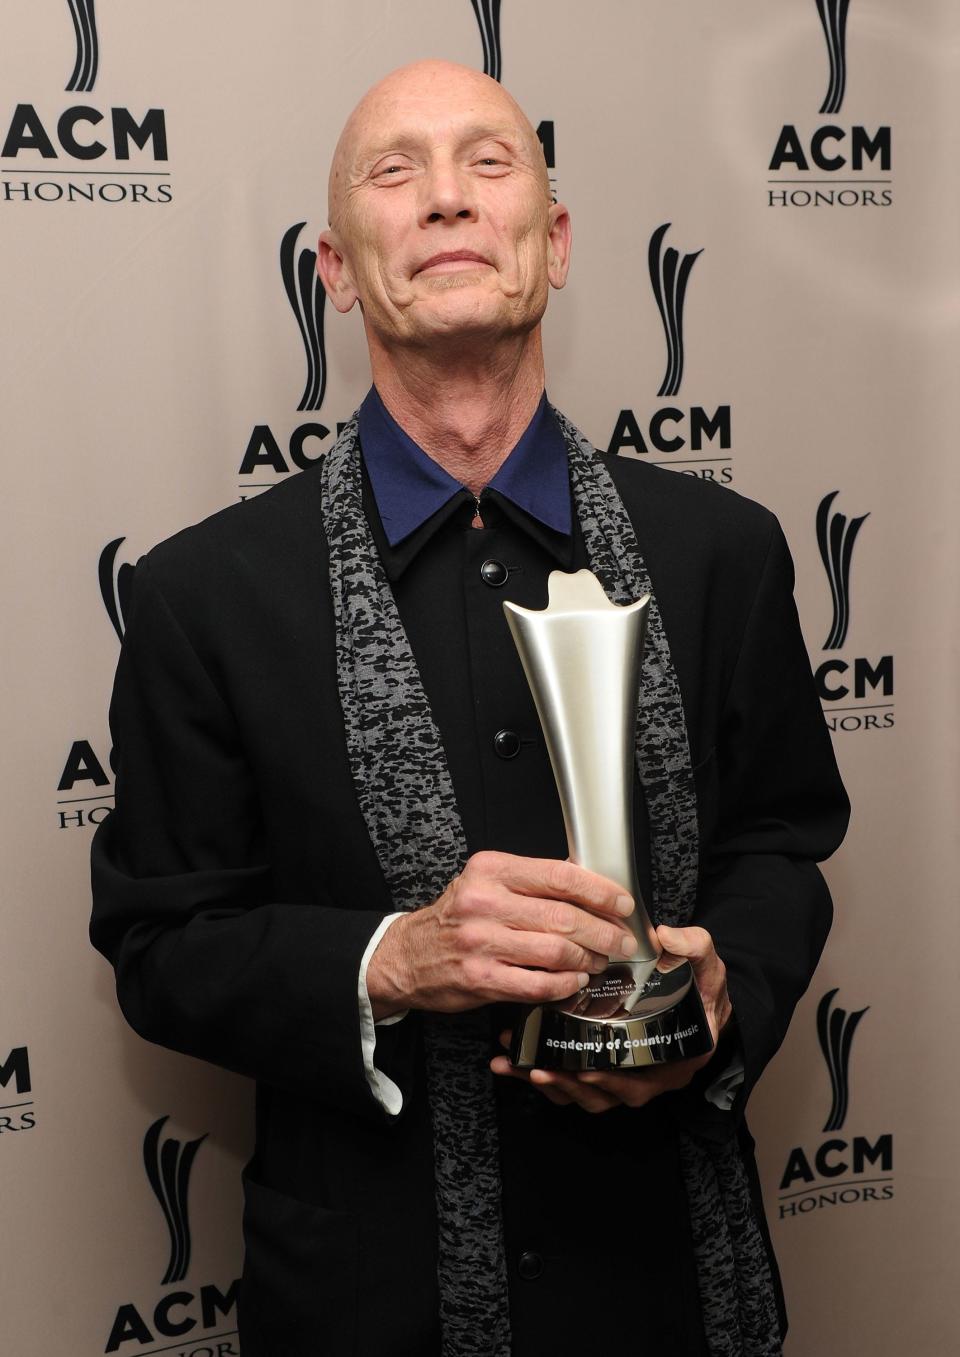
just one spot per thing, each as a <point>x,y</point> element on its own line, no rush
<point>337,857</point>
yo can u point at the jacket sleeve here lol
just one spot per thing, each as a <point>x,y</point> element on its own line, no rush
<point>207,960</point>
<point>772,806</point>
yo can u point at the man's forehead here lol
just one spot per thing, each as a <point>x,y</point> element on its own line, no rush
<point>429,95</point>
<point>427,101</point>
<point>434,127</point>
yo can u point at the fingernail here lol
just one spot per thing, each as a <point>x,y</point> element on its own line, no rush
<point>623,905</point>
<point>583,980</point>
<point>628,944</point>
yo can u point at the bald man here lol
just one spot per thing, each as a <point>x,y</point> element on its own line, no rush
<point>337,860</point>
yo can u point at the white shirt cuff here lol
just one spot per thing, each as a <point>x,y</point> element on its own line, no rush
<point>382,1087</point>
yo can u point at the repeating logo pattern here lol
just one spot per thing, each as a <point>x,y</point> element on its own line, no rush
<point>85,68</point>
<point>836,535</point>
<point>488,17</point>
<point>123,141</point>
<point>307,298</point>
<point>168,1164</point>
<point>84,786</point>
<point>668,276</point>
<point>835,1030</point>
<point>833,16</point>
<point>19,1115</point>
<point>695,440</point>
<point>836,164</point>
<point>842,1169</point>
<point>116,582</point>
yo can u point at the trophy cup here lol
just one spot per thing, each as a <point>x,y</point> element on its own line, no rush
<point>581,655</point>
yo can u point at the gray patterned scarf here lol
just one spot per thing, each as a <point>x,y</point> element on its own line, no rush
<point>407,800</point>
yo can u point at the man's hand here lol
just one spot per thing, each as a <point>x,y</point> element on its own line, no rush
<point>507,929</point>
<point>598,1091</point>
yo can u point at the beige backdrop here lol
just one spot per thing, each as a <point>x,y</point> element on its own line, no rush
<point>152,374</point>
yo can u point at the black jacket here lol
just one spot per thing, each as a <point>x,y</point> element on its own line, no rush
<point>236,888</point>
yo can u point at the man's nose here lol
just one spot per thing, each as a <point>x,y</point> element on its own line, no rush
<point>448,195</point>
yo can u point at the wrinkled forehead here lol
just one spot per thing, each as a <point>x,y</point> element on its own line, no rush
<point>424,109</point>
<point>425,125</point>
<point>424,92</point>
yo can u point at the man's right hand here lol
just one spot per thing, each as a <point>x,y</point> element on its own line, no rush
<point>507,929</point>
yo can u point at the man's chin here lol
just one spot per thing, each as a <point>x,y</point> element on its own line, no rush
<point>464,313</point>
<point>454,280</point>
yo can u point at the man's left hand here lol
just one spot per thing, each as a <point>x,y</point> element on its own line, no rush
<point>600,1090</point>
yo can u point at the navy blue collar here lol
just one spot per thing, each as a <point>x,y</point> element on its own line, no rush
<point>409,487</point>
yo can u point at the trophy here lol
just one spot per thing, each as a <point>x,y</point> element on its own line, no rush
<point>581,655</point>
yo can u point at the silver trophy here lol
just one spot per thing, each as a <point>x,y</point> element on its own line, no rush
<point>581,656</point>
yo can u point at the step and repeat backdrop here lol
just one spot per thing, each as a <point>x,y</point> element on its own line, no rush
<point>765,293</point>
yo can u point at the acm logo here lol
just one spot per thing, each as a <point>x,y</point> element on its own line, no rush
<point>85,770</point>
<point>87,64</point>
<point>816,156</point>
<point>673,429</point>
<point>488,20</point>
<point>82,133</point>
<point>850,687</point>
<point>15,1082</point>
<point>187,1314</point>
<point>306,443</point>
<point>840,1170</point>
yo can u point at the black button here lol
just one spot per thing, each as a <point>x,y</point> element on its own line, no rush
<point>530,1266</point>
<point>494,573</point>
<point>506,744</point>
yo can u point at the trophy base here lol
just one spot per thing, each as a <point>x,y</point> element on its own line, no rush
<point>666,1023</point>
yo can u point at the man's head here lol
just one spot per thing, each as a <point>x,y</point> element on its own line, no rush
<point>441,222</point>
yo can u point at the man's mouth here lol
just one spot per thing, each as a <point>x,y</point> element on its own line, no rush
<point>452,261</point>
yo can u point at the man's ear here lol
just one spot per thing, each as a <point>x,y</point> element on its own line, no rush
<point>559,242</point>
<point>334,272</point>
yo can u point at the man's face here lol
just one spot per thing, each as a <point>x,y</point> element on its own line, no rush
<point>441,220</point>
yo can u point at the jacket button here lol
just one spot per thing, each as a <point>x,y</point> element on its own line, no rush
<point>506,744</point>
<point>494,573</point>
<point>530,1266</point>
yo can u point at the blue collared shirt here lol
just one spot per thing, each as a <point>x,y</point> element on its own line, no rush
<point>410,487</point>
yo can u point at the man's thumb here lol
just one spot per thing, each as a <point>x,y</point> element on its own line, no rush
<point>686,942</point>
